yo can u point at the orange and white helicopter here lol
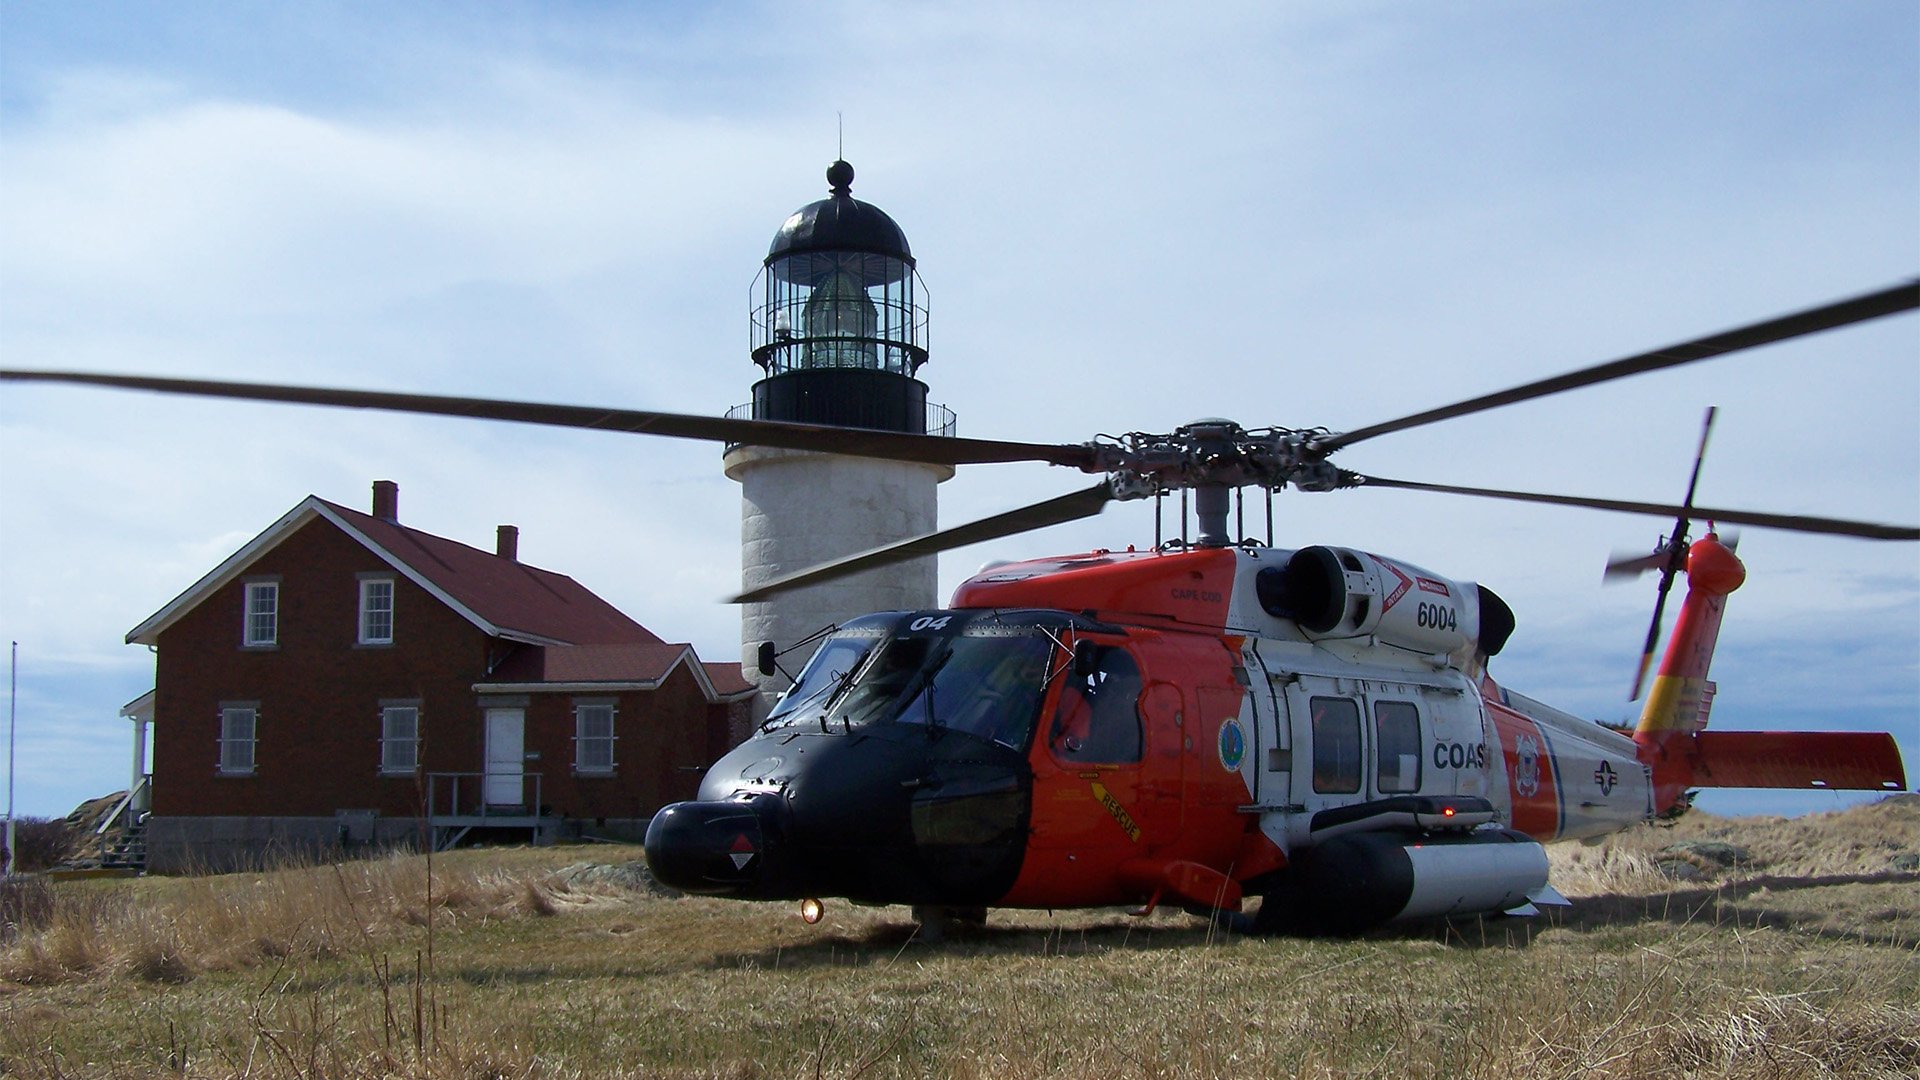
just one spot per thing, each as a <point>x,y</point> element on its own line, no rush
<point>1202,721</point>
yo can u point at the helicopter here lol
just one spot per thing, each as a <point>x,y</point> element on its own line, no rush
<point>1206,720</point>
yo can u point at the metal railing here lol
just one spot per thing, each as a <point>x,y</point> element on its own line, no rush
<point>120,807</point>
<point>464,795</point>
<point>940,419</point>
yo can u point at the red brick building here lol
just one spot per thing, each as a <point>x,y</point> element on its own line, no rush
<point>344,679</point>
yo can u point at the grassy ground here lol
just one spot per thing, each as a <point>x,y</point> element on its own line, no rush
<point>1802,963</point>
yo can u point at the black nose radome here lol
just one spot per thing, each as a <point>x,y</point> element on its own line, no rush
<point>714,848</point>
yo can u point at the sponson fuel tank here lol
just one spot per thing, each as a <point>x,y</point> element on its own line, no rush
<point>1361,880</point>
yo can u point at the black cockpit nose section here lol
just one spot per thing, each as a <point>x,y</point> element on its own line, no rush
<point>886,815</point>
<point>711,848</point>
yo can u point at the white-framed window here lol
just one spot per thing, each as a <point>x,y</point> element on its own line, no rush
<point>261,624</point>
<point>1396,746</point>
<point>239,724</point>
<point>593,736</point>
<point>399,737</point>
<point>376,611</point>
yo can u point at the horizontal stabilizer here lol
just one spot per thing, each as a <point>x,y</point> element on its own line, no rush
<point>1848,760</point>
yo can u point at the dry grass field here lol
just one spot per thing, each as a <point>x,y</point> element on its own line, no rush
<point>1800,959</point>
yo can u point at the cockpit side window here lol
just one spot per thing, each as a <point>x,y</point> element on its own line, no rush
<point>1097,721</point>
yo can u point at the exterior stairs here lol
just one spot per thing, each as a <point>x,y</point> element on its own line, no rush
<point>126,848</point>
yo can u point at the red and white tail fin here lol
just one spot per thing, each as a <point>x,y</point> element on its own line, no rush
<point>1682,755</point>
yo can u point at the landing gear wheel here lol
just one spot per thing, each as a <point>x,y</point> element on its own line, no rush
<point>937,923</point>
<point>1283,911</point>
<point>1227,922</point>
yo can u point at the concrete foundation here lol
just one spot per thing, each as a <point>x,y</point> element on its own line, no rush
<point>212,845</point>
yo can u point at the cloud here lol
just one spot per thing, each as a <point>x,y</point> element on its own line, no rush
<point>1296,216</point>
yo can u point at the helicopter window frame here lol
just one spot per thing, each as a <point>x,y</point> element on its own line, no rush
<point>1339,749</point>
<point>1404,732</point>
<point>1105,737</point>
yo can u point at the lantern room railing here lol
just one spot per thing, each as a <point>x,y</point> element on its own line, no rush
<point>940,419</point>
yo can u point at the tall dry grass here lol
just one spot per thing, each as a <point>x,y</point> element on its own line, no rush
<point>492,968</point>
<point>168,930</point>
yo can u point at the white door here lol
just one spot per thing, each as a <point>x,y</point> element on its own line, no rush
<point>506,757</point>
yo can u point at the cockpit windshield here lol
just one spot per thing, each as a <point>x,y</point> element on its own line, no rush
<point>826,674</point>
<point>984,678</point>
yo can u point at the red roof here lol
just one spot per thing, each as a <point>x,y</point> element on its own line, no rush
<point>532,666</point>
<point>589,663</point>
<point>512,596</point>
<point>727,679</point>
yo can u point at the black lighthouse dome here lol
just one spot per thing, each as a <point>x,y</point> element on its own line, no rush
<point>838,325</point>
<point>841,223</point>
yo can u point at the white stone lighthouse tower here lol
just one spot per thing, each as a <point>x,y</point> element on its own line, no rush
<point>839,334</point>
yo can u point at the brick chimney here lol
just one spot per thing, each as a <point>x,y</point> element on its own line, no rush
<point>386,501</point>
<point>507,542</point>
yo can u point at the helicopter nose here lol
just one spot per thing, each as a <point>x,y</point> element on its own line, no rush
<point>710,848</point>
<point>880,816</point>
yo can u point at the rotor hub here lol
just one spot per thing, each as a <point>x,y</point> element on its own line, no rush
<point>1214,453</point>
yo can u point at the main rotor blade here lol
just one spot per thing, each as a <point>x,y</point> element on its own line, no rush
<point>1081,504</point>
<point>1791,522</point>
<point>1873,305</point>
<point>859,442</point>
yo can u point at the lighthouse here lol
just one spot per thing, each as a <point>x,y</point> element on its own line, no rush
<point>839,334</point>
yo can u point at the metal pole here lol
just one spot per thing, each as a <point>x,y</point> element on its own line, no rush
<point>13,689</point>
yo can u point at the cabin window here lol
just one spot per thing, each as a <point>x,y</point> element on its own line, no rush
<point>376,611</point>
<point>1097,721</point>
<point>1396,746</point>
<point>399,738</point>
<point>238,724</point>
<point>1336,745</point>
<point>593,736</point>
<point>260,626</point>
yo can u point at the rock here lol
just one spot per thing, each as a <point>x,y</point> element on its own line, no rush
<point>1713,853</point>
<point>1907,861</point>
<point>633,876</point>
<point>1681,869</point>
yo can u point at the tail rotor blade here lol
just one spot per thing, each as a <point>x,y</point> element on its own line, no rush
<point>1653,634</point>
<point>1699,456</point>
<point>1625,565</point>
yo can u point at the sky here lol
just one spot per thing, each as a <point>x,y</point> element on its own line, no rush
<point>1296,215</point>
